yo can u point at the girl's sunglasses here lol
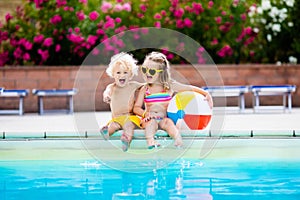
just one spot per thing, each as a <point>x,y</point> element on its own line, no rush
<point>151,71</point>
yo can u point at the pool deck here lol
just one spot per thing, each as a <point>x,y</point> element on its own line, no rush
<point>272,121</point>
<point>272,138</point>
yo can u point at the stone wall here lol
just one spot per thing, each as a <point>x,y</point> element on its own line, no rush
<point>91,81</point>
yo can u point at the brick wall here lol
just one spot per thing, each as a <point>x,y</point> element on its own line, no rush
<point>91,81</point>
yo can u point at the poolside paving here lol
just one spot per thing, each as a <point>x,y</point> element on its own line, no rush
<point>92,121</point>
<point>14,147</point>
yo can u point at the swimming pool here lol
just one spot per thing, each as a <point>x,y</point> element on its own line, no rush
<point>234,169</point>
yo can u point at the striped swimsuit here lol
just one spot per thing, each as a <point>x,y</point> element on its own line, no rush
<point>161,98</point>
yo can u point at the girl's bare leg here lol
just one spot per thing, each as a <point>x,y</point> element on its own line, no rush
<point>169,126</point>
<point>150,130</point>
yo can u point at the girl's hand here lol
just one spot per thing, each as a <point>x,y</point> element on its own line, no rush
<point>146,117</point>
<point>209,100</point>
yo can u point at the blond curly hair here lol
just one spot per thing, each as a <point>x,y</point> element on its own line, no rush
<point>125,60</point>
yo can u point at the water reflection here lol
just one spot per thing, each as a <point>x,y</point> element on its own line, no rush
<point>183,179</point>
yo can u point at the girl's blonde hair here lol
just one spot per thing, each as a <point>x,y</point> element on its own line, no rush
<point>163,63</point>
<point>125,60</point>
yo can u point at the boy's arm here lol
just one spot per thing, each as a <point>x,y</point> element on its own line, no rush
<point>107,93</point>
<point>139,102</point>
<point>179,87</point>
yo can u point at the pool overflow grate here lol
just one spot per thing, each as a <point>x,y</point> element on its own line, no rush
<point>160,134</point>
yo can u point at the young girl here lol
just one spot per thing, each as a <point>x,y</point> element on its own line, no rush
<point>156,94</point>
<point>120,95</point>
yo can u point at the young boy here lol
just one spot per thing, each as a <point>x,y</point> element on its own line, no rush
<point>120,95</point>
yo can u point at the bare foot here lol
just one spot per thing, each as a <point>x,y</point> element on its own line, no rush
<point>104,132</point>
<point>178,141</point>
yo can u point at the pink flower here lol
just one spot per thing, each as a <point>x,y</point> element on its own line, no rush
<point>180,47</point>
<point>218,20</point>
<point>48,42</point>
<point>55,19</point>
<point>100,32</point>
<point>105,6</point>
<point>170,56</point>
<point>95,51</point>
<point>248,30</point>
<point>26,44</point>
<point>127,7</point>
<point>140,15</point>
<point>93,15</point>
<point>178,13</point>
<point>38,39</point>
<point>118,20</point>
<point>118,7</point>
<point>249,41</point>
<point>77,29</point>
<point>210,4</point>
<point>179,23</point>
<point>110,23</point>
<point>197,8</point>
<point>8,17</point>
<point>26,56</point>
<point>80,15</point>
<point>214,42</point>
<point>92,39</point>
<point>3,58</point>
<point>235,3</point>
<point>3,36</point>
<point>61,3</point>
<point>157,16</point>
<point>143,7</point>
<point>57,48</point>
<point>157,24</point>
<point>18,53</point>
<point>188,23</point>
<point>225,51</point>
<point>223,13</point>
<point>83,1</point>
<point>77,39</point>
<point>243,16</point>
<point>163,13</point>
<point>38,3</point>
<point>44,54</point>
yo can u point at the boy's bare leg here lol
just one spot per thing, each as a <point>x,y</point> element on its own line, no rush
<point>107,131</point>
<point>169,126</point>
<point>127,135</point>
<point>150,130</point>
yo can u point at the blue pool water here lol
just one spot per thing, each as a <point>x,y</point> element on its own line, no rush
<point>182,179</point>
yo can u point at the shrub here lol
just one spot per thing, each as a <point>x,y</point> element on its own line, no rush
<point>60,32</point>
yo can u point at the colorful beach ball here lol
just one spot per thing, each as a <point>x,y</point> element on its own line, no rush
<point>189,111</point>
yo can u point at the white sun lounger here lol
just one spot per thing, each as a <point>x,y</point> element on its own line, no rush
<point>272,90</point>
<point>68,93</point>
<point>229,91</point>
<point>20,94</point>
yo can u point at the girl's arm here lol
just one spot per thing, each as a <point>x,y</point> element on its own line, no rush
<point>139,102</point>
<point>179,87</point>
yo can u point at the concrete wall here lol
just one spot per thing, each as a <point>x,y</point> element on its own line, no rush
<point>91,81</point>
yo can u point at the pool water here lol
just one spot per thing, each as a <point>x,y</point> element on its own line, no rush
<point>182,179</point>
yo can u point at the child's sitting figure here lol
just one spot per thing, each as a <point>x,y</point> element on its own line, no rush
<point>120,95</point>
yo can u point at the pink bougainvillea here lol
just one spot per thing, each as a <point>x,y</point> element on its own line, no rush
<point>45,32</point>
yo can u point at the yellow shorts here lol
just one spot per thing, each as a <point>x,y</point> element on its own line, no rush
<point>125,118</point>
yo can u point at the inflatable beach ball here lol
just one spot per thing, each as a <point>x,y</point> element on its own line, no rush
<point>189,111</point>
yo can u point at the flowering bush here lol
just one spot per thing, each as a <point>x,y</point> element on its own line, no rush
<point>279,39</point>
<point>60,32</point>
